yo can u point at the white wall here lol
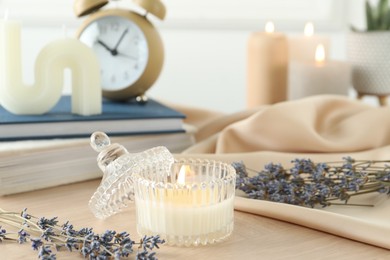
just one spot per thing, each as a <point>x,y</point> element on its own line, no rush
<point>205,40</point>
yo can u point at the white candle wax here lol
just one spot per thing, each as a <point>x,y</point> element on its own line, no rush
<point>19,98</point>
<point>313,78</point>
<point>301,48</point>
<point>267,63</point>
<point>174,219</point>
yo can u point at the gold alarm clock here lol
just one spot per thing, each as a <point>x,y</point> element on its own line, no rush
<point>128,46</point>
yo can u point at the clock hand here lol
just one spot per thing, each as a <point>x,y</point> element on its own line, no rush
<point>115,50</point>
<point>127,56</point>
<point>105,46</point>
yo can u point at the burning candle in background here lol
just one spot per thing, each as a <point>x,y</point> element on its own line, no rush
<point>308,31</point>
<point>320,55</point>
<point>53,59</point>
<point>269,27</point>
<point>307,78</point>
<point>267,63</point>
<point>301,48</point>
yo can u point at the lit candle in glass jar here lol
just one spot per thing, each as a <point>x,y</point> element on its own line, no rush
<point>190,205</point>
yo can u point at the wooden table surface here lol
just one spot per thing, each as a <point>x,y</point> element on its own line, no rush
<point>254,237</point>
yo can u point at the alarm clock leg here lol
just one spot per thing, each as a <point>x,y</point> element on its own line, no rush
<point>142,99</point>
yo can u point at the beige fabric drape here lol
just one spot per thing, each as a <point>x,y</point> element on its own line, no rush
<point>323,128</point>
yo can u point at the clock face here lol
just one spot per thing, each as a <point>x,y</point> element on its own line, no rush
<point>121,48</point>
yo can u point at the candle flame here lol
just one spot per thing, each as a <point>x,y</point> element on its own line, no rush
<point>309,29</point>
<point>269,27</point>
<point>181,178</point>
<point>320,53</point>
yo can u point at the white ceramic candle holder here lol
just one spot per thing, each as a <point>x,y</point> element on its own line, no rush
<point>196,210</point>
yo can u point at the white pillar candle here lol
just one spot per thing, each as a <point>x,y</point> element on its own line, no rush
<point>308,78</point>
<point>301,48</point>
<point>267,62</point>
<point>53,59</point>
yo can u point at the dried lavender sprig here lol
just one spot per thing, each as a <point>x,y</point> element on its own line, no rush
<point>109,245</point>
<point>309,184</point>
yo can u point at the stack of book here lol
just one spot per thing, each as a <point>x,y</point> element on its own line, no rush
<point>52,149</point>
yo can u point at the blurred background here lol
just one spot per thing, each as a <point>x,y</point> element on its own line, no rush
<point>205,40</point>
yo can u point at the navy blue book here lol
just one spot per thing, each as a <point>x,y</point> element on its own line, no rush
<point>117,119</point>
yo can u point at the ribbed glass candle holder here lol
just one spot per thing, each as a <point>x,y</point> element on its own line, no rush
<point>190,205</point>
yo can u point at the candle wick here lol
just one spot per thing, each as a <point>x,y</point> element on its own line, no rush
<point>6,14</point>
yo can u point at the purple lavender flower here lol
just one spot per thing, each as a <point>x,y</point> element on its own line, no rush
<point>107,236</point>
<point>309,184</point>
<point>48,233</point>
<point>67,229</point>
<point>46,253</point>
<point>3,233</point>
<point>22,236</point>
<point>45,222</point>
<point>93,246</point>
<point>24,214</point>
<point>72,243</point>
<point>36,243</point>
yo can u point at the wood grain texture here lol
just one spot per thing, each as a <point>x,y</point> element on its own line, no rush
<point>254,237</point>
